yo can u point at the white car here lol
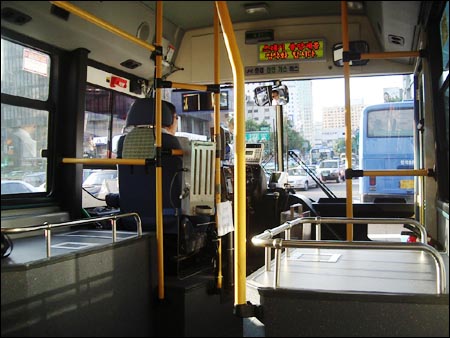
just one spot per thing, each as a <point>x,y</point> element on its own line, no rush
<point>18,187</point>
<point>299,179</point>
<point>94,182</point>
<point>331,170</point>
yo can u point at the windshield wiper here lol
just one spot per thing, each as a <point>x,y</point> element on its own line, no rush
<point>322,185</point>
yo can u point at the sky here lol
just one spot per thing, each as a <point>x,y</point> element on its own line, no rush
<point>367,90</point>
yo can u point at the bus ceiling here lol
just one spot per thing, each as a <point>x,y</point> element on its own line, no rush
<point>274,21</point>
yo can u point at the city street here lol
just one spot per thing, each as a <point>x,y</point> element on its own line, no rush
<point>386,232</point>
<point>339,189</point>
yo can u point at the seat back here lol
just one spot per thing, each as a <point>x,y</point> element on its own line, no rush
<point>137,184</point>
<point>187,236</point>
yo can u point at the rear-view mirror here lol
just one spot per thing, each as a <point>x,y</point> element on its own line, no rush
<point>276,95</point>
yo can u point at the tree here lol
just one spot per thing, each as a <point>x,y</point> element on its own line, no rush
<point>355,142</point>
<point>340,147</point>
<point>294,139</point>
<point>252,125</point>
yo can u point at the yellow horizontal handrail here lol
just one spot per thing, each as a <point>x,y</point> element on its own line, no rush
<point>104,161</point>
<point>189,86</point>
<point>389,55</point>
<point>112,161</point>
<point>397,172</point>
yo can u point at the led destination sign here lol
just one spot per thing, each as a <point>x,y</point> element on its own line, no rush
<point>293,50</point>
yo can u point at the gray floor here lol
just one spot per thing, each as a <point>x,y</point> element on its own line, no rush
<point>352,270</point>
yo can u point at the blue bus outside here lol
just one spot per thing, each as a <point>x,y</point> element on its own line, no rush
<point>320,153</point>
<point>387,143</point>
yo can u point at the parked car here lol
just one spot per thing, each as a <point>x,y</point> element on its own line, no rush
<point>329,170</point>
<point>18,187</point>
<point>95,180</point>
<point>299,179</point>
<point>35,179</point>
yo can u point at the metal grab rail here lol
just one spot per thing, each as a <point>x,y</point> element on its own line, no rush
<point>268,234</point>
<point>48,227</point>
<point>286,227</point>
<point>266,240</point>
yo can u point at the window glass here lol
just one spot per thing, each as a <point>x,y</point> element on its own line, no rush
<point>25,71</point>
<point>105,116</point>
<point>24,135</point>
<point>390,123</point>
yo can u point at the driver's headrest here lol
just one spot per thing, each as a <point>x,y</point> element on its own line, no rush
<point>142,112</point>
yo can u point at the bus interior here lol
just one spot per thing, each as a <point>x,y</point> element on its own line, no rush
<point>119,227</point>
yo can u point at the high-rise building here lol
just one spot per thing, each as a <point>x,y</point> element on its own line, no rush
<point>334,117</point>
<point>299,109</point>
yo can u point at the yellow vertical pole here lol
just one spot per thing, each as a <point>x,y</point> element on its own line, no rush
<point>158,144</point>
<point>218,140</point>
<point>348,120</point>
<point>237,67</point>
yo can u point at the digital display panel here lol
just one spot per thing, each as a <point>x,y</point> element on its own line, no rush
<point>191,102</point>
<point>258,36</point>
<point>292,51</point>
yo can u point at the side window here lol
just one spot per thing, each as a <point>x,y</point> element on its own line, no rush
<point>25,78</point>
<point>25,71</point>
<point>105,116</point>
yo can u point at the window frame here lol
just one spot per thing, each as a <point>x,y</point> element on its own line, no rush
<point>37,198</point>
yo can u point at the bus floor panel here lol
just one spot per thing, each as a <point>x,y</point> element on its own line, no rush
<point>325,292</point>
<point>353,271</point>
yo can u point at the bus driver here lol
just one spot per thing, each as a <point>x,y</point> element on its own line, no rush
<point>276,99</point>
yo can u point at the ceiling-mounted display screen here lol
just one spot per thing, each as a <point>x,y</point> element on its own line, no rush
<point>295,50</point>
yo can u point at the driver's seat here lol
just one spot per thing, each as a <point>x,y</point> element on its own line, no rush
<point>137,184</point>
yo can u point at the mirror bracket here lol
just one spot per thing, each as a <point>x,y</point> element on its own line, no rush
<point>348,56</point>
<point>352,56</point>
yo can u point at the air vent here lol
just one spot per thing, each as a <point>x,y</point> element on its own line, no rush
<point>60,12</point>
<point>396,40</point>
<point>131,64</point>
<point>14,16</point>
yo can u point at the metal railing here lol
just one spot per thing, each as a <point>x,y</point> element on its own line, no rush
<point>47,227</point>
<point>267,240</point>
